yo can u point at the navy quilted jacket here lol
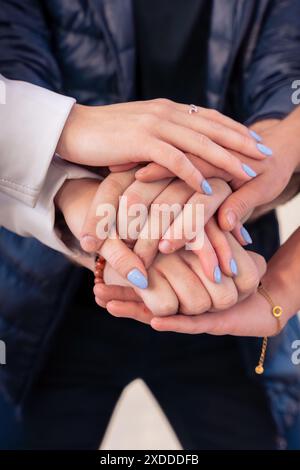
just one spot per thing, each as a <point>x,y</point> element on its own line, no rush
<point>85,48</point>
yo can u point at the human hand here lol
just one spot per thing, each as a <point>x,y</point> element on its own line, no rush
<point>158,131</point>
<point>123,194</point>
<point>252,316</point>
<point>193,299</point>
<point>200,234</point>
<point>165,290</point>
<point>273,177</point>
<point>75,198</point>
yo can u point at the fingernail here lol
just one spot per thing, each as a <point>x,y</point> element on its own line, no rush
<point>248,170</point>
<point>231,218</point>
<point>217,275</point>
<point>89,243</point>
<point>264,149</point>
<point>233,267</point>
<point>246,235</point>
<point>206,187</point>
<point>165,246</point>
<point>137,278</point>
<point>255,136</point>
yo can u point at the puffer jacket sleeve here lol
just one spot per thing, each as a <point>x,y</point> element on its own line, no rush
<point>274,67</point>
<point>32,117</point>
<point>25,44</point>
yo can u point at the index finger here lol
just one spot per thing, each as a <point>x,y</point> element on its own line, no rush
<point>188,223</point>
<point>103,210</point>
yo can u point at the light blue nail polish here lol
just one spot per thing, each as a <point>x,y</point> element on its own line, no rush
<point>137,278</point>
<point>206,187</point>
<point>217,275</point>
<point>246,235</point>
<point>248,170</point>
<point>233,267</point>
<point>264,149</point>
<point>255,136</point>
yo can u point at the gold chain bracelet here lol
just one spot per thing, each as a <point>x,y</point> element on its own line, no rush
<point>276,312</point>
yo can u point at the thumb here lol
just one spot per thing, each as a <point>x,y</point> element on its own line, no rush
<point>240,203</point>
<point>125,262</point>
<point>122,167</point>
<point>153,172</point>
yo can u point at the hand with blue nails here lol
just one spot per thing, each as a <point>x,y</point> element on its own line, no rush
<point>75,199</point>
<point>277,180</point>
<point>178,284</point>
<point>161,131</point>
<point>251,316</point>
<point>123,193</point>
<point>173,282</point>
<point>234,139</point>
<point>191,226</point>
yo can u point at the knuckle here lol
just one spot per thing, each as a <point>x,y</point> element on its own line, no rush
<point>149,121</point>
<point>178,161</point>
<point>90,224</point>
<point>217,126</point>
<point>219,242</point>
<point>117,258</point>
<point>146,250</point>
<point>166,307</point>
<point>196,306</point>
<point>240,206</point>
<point>114,184</point>
<point>132,196</point>
<point>203,140</point>
<point>226,299</point>
<point>194,299</point>
<point>163,101</point>
<point>189,306</point>
<point>204,305</point>
<point>231,160</point>
<point>249,281</point>
<point>160,107</point>
<point>220,186</point>
<point>213,113</point>
<point>143,245</point>
<point>245,141</point>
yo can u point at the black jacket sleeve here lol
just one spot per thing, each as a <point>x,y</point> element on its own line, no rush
<point>275,63</point>
<point>25,44</point>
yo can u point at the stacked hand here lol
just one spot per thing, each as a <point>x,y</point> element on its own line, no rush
<point>176,282</point>
<point>273,174</point>
<point>198,284</point>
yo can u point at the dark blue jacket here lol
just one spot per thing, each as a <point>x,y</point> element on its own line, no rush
<point>85,48</point>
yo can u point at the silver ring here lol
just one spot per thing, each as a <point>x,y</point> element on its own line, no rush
<point>193,109</point>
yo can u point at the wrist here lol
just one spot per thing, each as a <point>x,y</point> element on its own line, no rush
<point>72,190</point>
<point>289,129</point>
<point>68,140</point>
<point>264,125</point>
<point>277,284</point>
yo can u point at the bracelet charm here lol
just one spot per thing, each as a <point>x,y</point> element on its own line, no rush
<point>276,312</point>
